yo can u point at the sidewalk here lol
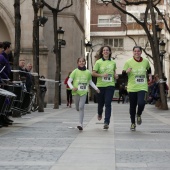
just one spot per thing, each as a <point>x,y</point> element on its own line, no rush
<point>50,141</point>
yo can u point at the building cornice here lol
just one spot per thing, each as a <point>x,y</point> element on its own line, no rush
<point>42,51</point>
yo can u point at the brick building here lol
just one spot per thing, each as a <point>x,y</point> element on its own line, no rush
<point>111,27</point>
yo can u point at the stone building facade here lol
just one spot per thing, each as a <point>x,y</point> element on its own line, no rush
<point>75,22</point>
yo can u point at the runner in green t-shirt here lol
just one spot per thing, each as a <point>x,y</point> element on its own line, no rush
<point>137,69</point>
<point>105,71</point>
<point>81,78</point>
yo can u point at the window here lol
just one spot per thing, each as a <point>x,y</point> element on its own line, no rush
<point>114,43</point>
<point>130,19</point>
<point>118,43</point>
<point>108,42</point>
<point>109,21</point>
<point>116,19</point>
<point>142,15</point>
<point>144,43</point>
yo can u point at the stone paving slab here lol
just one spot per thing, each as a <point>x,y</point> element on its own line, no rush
<point>50,141</point>
<point>90,149</point>
<point>148,147</point>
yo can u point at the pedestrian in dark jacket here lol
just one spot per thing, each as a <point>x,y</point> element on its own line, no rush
<point>3,62</point>
<point>68,91</point>
<point>121,93</point>
<point>5,53</point>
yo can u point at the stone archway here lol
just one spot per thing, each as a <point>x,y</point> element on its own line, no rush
<point>4,34</point>
<point>7,24</point>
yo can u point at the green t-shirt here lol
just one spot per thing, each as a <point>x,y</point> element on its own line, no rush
<point>105,66</point>
<point>81,80</point>
<point>137,78</point>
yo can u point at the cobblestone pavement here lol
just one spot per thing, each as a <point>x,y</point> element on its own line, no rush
<point>50,141</point>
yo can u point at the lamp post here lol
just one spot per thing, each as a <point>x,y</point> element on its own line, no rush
<point>161,46</point>
<point>41,20</point>
<point>60,33</point>
<point>88,46</point>
<point>162,52</point>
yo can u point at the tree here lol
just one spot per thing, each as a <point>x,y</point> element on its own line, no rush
<point>36,53</point>
<point>61,5</point>
<point>17,38</point>
<point>149,26</point>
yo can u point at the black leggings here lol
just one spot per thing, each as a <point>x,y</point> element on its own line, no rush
<point>69,96</point>
<point>137,99</point>
<point>121,96</point>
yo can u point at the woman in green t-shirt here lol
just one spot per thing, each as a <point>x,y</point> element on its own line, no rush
<point>137,68</point>
<point>81,78</point>
<point>105,71</point>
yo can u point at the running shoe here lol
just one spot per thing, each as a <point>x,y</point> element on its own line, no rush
<point>79,127</point>
<point>106,126</point>
<point>99,117</point>
<point>139,120</point>
<point>133,127</point>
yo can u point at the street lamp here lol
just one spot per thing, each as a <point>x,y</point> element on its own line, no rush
<point>60,33</point>
<point>158,31</point>
<point>161,45</point>
<point>162,52</point>
<point>88,46</point>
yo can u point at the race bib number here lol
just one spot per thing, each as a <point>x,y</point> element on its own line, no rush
<point>82,87</point>
<point>107,79</point>
<point>140,79</point>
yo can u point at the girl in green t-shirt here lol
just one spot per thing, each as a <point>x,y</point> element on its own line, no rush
<point>137,68</point>
<point>79,81</point>
<point>105,71</point>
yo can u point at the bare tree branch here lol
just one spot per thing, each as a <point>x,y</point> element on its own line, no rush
<point>66,6</point>
<point>47,5</point>
<point>58,6</point>
<point>163,18</point>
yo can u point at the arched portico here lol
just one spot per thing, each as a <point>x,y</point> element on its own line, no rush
<point>7,24</point>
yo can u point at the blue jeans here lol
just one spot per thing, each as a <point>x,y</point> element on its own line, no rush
<point>137,99</point>
<point>105,98</point>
